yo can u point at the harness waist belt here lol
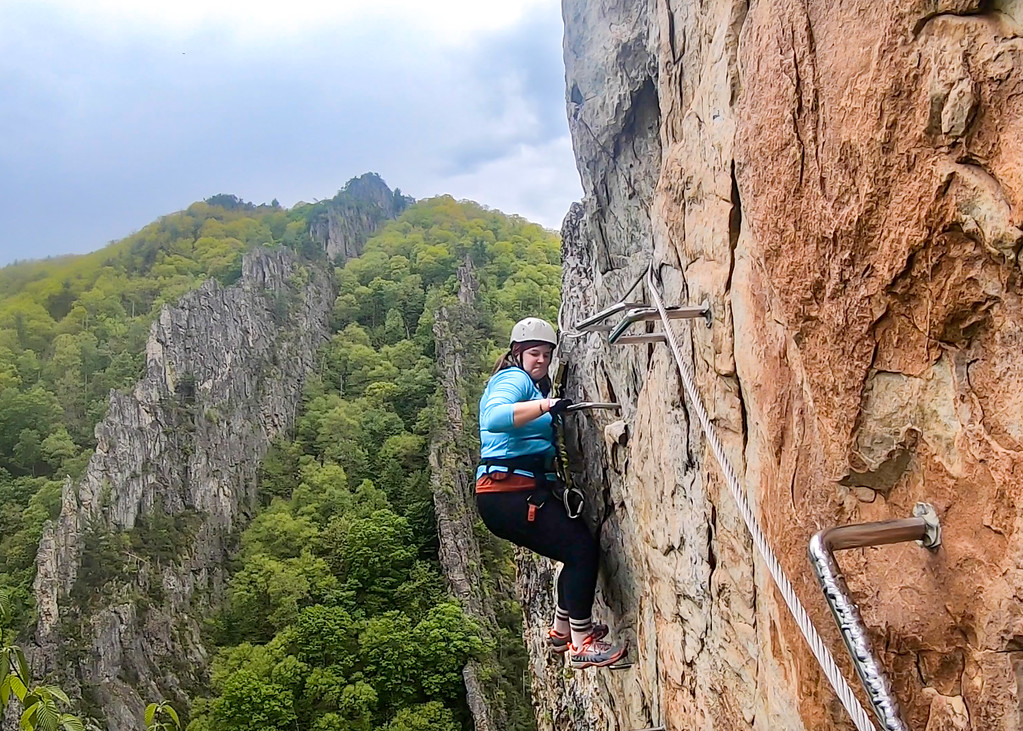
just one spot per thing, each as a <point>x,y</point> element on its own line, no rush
<point>538,466</point>
<point>527,466</point>
<point>504,482</point>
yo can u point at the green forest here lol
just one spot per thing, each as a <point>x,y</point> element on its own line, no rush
<point>336,615</point>
<point>73,328</point>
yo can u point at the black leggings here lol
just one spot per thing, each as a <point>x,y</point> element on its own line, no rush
<point>552,534</point>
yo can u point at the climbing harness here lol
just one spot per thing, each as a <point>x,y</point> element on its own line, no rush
<point>571,497</point>
<point>538,468</point>
<point>845,693</point>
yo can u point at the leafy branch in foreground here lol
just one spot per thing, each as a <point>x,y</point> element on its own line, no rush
<point>161,717</point>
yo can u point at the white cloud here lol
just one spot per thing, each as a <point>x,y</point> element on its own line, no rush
<point>537,182</point>
<point>116,112</point>
<point>249,21</point>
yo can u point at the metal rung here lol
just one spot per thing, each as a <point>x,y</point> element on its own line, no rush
<point>592,324</point>
<point>674,313</point>
<point>924,528</point>
<point>646,314</point>
<point>621,666</point>
<point>587,405</point>
<point>637,339</point>
<point>654,728</point>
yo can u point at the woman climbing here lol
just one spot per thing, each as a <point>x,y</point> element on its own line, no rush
<point>515,482</point>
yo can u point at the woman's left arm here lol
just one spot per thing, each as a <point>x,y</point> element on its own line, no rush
<point>504,409</point>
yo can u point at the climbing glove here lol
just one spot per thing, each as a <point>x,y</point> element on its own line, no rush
<point>558,405</point>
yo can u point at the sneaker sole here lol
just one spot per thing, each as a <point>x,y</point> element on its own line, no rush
<point>600,663</point>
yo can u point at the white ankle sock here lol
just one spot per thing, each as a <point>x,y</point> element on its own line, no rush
<point>561,623</point>
<point>581,629</point>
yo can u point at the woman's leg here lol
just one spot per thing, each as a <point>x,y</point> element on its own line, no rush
<point>561,625</point>
<point>555,535</point>
<point>552,534</point>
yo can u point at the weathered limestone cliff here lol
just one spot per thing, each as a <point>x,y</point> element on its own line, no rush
<point>843,184</point>
<point>451,451</point>
<point>361,206</point>
<point>137,558</point>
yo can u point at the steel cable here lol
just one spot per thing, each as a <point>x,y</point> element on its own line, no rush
<point>820,651</point>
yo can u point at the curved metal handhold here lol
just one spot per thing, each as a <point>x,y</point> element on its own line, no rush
<point>621,327</point>
<point>588,325</point>
<point>925,529</point>
<point>854,634</point>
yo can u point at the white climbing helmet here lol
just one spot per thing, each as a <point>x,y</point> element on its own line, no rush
<point>533,328</point>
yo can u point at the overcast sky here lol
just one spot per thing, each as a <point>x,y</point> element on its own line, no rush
<point>115,112</point>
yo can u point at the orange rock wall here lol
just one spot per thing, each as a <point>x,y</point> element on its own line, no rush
<point>878,161</point>
<point>843,183</point>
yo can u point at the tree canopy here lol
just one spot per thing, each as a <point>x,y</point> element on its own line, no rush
<point>335,614</point>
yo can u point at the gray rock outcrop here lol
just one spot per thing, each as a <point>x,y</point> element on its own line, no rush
<point>452,453</point>
<point>137,559</point>
<point>343,223</point>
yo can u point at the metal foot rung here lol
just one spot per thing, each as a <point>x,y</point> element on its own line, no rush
<point>636,339</point>
<point>646,314</point>
<point>638,312</point>
<point>590,405</point>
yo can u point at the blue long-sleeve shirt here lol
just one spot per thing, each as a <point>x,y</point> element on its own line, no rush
<point>499,437</point>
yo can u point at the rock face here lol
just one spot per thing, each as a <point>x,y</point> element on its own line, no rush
<point>843,184</point>
<point>137,558</point>
<point>344,222</point>
<point>451,453</point>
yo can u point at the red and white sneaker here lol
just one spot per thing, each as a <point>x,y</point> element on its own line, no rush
<point>594,653</point>
<point>557,642</point>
